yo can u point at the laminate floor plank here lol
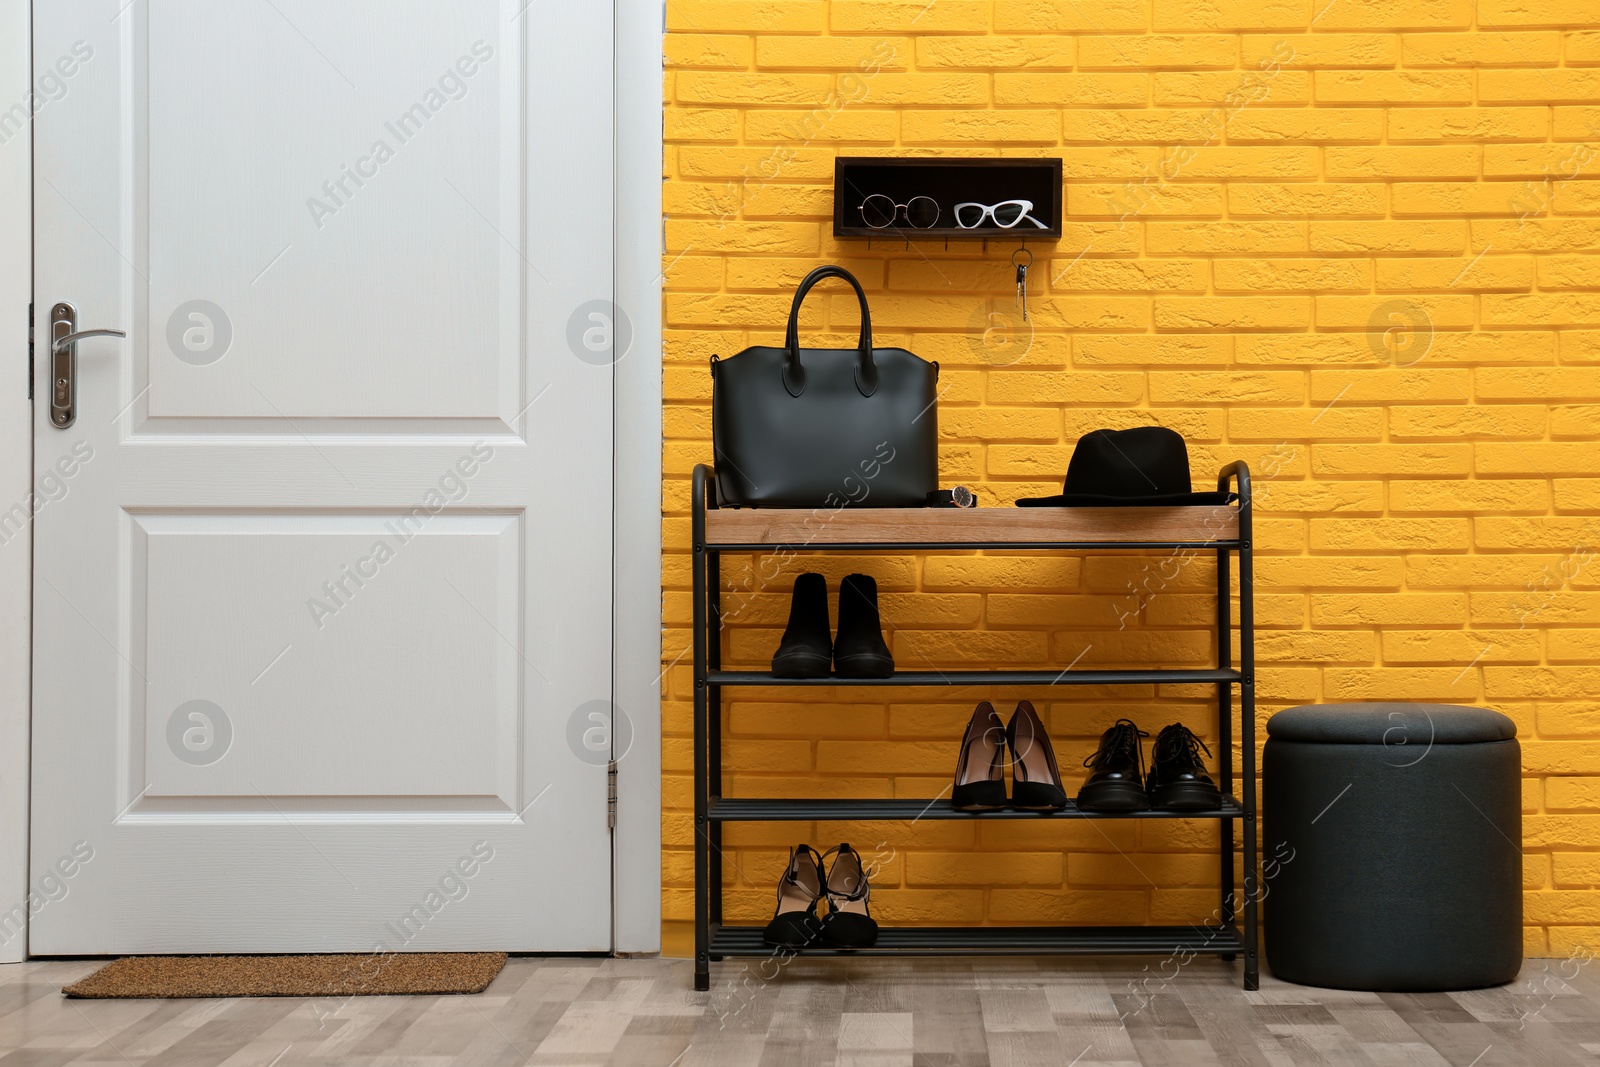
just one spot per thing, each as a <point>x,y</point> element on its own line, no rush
<point>1403,1054</point>
<point>797,1012</point>
<point>1374,1025</point>
<point>1024,1048</point>
<point>1233,1036</point>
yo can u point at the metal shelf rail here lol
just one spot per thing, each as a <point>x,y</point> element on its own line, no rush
<point>1223,529</point>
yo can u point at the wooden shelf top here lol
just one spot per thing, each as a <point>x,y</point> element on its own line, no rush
<point>975,527</point>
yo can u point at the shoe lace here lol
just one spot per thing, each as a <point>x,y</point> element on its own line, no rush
<point>1179,740</point>
<point>1123,736</point>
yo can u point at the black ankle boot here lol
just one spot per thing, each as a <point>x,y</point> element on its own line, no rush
<point>806,649</point>
<point>859,651</point>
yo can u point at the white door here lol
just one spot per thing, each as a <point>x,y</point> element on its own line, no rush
<point>323,597</point>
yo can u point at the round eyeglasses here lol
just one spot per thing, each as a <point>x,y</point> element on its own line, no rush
<point>880,212</point>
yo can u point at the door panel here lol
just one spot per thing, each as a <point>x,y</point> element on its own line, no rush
<point>308,705</point>
<point>330,576</point>
<point>418,169</point>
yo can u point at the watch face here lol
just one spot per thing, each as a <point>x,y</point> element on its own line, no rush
<point>963,497</point>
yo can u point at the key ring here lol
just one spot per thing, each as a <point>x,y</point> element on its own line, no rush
<point>1014,262</point>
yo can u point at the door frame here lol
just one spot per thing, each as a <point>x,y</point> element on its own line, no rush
<point>636,474</point>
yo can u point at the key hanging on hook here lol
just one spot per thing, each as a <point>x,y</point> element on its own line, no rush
<point>1022,279</point>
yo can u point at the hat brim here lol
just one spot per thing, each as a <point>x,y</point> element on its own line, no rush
<point>1096,500</point>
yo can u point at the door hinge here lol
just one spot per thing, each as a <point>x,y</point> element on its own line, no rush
<point>30,351</point>
<point>611,795</point>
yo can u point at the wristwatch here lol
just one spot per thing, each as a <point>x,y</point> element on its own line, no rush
<point>958,497</point>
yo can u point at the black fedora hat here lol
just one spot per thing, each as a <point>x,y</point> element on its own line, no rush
<point>1122,468</point>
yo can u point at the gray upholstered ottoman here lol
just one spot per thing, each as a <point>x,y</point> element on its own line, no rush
<point>1392,839</point>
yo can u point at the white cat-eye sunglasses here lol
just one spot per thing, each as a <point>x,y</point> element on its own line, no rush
<point>1005,214</point>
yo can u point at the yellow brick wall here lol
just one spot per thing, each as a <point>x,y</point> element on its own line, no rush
<point>1353,242</point>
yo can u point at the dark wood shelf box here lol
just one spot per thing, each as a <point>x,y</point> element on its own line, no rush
<point>948,182</point>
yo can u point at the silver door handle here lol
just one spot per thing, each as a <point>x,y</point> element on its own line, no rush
<point>64,363</point>
<point>74,338</point>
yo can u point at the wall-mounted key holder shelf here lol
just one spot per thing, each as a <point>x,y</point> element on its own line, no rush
<point>875,189</point>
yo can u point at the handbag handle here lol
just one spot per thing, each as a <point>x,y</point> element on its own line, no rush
<point>794,374</point>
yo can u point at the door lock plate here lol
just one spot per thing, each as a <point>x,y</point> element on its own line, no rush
<point>63,367</point>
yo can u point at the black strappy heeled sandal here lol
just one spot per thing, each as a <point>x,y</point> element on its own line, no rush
<point>795,923</point>
<point>849,923</point>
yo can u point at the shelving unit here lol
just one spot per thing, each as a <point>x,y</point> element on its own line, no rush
<point>1222,529</point>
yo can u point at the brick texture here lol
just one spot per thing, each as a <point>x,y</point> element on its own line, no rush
<point>1357,245</point>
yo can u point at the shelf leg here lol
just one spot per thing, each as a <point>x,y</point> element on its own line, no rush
<point>1225,730</point>
<point>702,838</point>
<point>714,638</point>
<point>1247,723</point>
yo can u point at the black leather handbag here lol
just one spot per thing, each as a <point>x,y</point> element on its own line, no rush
<point>796,427</point>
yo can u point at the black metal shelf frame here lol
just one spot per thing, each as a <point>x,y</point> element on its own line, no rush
<point>1221,936</point>
<point>757,809</point>
<point>1069,677</point>
<point>1005,941</point>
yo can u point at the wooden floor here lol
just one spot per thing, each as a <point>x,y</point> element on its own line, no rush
<point>932,1013</point>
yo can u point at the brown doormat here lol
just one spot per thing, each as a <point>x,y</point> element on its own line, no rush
<point>354,975</point>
